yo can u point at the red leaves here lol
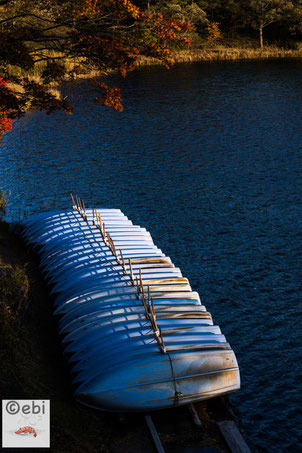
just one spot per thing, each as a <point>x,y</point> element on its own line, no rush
<point>112,97</point>
<point>32,95</point>
<point>104,36</point>
<point>6,122</point>
<point>152,33</point>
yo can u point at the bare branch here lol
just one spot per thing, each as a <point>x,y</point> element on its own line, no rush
<point>23,15</point>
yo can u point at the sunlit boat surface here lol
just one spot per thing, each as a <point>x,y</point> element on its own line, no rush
<point>135,334</point>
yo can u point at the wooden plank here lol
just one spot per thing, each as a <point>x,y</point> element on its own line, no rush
<point>183,315</point>
<point>233,437</point>
<point>166,281</point>
<point>151,260</point>
<point>154,434</point>
<point>171,288</point>
<point>194,414</point>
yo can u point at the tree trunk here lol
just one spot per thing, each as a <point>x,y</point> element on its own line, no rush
<point>261,37</point>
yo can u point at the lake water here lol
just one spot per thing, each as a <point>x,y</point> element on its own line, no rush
<point>206,156</point>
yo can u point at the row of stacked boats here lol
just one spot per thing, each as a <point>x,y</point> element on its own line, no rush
<point>136,336</point>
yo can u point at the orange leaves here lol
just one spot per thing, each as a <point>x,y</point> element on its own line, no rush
<point>214,32</point>
<point>144,32</point>
<point>132,9</point>
<point>90,7</point>
<point>95,7</point>
<point>168,33</point>
<point>168,29</point>
<point>112,97</point>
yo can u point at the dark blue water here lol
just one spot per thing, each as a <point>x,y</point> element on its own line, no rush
<point>208,158</point>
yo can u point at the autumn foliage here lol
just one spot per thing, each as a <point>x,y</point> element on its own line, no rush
<point>214,32</point>
<point>6,122</point>
<point>111,97</point>
<point>102,36</point>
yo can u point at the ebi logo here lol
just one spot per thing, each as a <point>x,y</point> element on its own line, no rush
<point>25,423</point>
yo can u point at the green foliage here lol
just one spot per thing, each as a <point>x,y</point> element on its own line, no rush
<point>189,11</point>
<point>184,11</point>
<point>261,13</point>
<point>226,12</point>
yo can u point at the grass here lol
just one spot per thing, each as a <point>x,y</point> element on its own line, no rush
<point>74,67</point>
<point>238,48</point>
<point>222,52</point>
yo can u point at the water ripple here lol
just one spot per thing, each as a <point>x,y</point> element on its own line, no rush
<point>208,158</point>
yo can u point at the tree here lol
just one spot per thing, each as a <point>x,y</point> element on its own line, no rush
<point>224,12</point>
<point>262,13</point>
<point>61,38</point>
<point>183,11</point>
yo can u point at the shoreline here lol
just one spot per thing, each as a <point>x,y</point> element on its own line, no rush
<point>192,55</point>
<point>221,53</point>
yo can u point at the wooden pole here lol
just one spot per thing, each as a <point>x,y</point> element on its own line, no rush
<point>162,341</point>
<point>149,299</point>
<point>123,261</point>
<point>104,234</point>
<point>145,307</point>
<point>79,205</point>
<point>72,201</point>
<point>131,271</point>
<point>77,200</point>
<point>93,215</point>
<point>108,239</point>
<point>114,251</point>
<point>153,314</point>
<point>113,247</point>
<point>84,211</point>
<point>141,282</point>
<point>137,287</point>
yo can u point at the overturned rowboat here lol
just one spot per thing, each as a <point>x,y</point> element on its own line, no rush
<point>136,336</point>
